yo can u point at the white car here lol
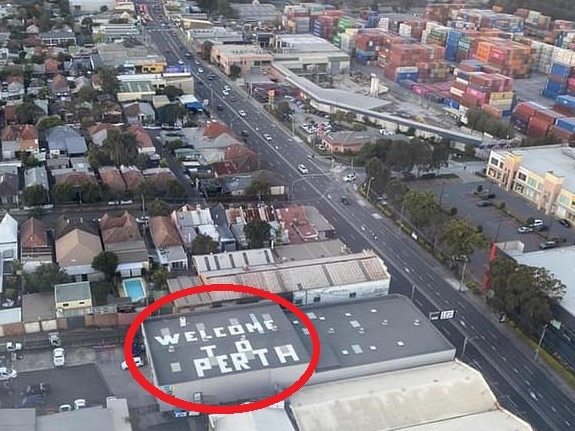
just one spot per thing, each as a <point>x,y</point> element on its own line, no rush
<point>350,178</point>
<point>65,408</point>
<point>227,88</point>
<point>7,373</point>
<point>242,113</point>
<point>225,92</point>
<point>302,169</point>
<point>80,403</point>
<point>139,363</point>
<point>180,62</point>
<point>59,357</point>
<point>267,137</point>
<point>200,70</point>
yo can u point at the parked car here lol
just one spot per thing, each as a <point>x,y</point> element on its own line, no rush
<point>65,408</point>
<point>267,137</point>
<point>484,203</point>
<point>524,229</point>
<point>350,178</point>
<point>565,222</point>
<point>548,244</point>
<point>80,403</point>
<point>31,401</point>
<point>245,133</point>
<point>7,373</point>
<point>344,200</point>
<point>59,357</point>
<point>487,195</point>
<point>139,363</point>
<point>302,169</point>
<point>38,389</point>
<point>242,113</point>
<point>200,70</point>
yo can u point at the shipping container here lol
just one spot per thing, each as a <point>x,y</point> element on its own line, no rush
<point>562,134</point>
<point>567,101</point>
<point>567,124</point>
<point>538,128</point>
<point>524,111</point>
<point>548,115</point>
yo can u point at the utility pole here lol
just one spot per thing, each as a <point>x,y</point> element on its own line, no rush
<point>413,289</point>
<point>369,187</point>
<point>537,350</point>
<point>463,274</point>
<point>466,341</point>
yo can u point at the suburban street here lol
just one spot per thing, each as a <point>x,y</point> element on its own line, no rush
<point>522,385</point>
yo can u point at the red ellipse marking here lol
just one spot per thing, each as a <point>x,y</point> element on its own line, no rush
<point>224,409</point>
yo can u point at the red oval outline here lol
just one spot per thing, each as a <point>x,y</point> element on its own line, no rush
<point>221,409</point>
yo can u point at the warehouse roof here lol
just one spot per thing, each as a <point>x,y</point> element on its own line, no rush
<point>365,331</point>
<point>450,396</point>
<point>309,250</point>
<point>232,259</point>
<point>253,337</point>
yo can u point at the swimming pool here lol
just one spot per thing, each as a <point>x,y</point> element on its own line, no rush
<point>134,288</point>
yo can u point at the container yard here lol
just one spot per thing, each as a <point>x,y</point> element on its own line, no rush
<point>537,121</point>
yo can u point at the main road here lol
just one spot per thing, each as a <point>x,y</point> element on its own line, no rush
<point>523,386</point>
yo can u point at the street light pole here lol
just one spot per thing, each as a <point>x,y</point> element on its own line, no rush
<point>463,274</point>
<point>537,350</point>
<point>369,187</point>
<point>413,289</point>
<point>466,341</point>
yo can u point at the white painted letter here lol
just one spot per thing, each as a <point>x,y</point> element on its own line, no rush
<point>204,336</point>
<point>236,330</point>
<point>261,353</point>
<point>286,351</point>
<point>240,361</point>
<point>270,325</point>
<point>190,336</point>
<point>166,340</point>
<point>244,346</point>
<point>219,331</point>
<point>209,350</point>
<point>223,364</point>
<point>201,365</point>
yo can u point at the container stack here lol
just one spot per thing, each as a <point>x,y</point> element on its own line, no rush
<point>452,43</point>
<point>368,44</point>
<point>537,121</point>
<point>509,57</point>
<point>487,19</point>
<point>565,39</point>
<point>324,26</point>
<point>432,71</point>
<point>465,47</point>
<point>389,41</point>
<point>298,19</point>
<point>412,28</point>
<point>536,24</point>
<point>348,40</point>
<point>344,24</point>
<point>541,55</point>
<point>557,80</point>
<point>565,105</point>
<point>406,60</point>
<point>435,34</point>
<point>441,13</point>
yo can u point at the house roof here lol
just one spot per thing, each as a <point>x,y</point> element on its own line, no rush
<point>60,83</point>
<point>132,176</point>
<point>161,179</point>
<point>143,138</point>
<point>33,234</point>
<point>65,225</point>
<point>8,229</point>
<point>132,109</point>
<point>8,184</point>
<point>119,228</point>
<point>72,291</point>
<point>10,112</point>
<point>237,151</point>
<point>51,65</point>
<point>65,138</point>
<point>19,132</point>
<point>77,248</point>
<point>112,177</point>
<point>36,175</point>
<point>351,138</point>
<point>75,178</point>
<point>164,233</point>
<point>213,129</point>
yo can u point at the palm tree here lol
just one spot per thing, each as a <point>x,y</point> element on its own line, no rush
<point>121,146</point>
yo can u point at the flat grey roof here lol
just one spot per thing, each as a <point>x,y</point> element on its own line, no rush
<point>183,347</point>
<point>90,419</point>
<point>309,250</point>
<point>17,419</point>
<point>559,261</point>
<point>233,259</point>
<point>38,306</point>
<point>553,158</point>
<point>371,330</point>
<point>72,291</point>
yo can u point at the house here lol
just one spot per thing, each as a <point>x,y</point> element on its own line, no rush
<point>227,240</point>
<point>293,220</point>
<point>143,139</point>
<point>75,252</point>
<point>111,176</point>
<point>237,159</point>
<point>51,66</point>
<point>348,141</point>
<point>17,138</point>
<point>15,88</point>
<point>9,188</point>
<point>36,176</point>
<point>59,86</point>
<point>121,236</point>
<point>73,299</point>
<point>325,229</point>
<point>197,217</point>
<point>133,177</point>
<point>184,222</point>
<point>99,132</point>
<point>65,140</point>
<point>77,178</point>
<point>141,113</point>
<point>8,238</point>
<point>57,38</point>
<point>34,245</point>
<point>166,239</point>
<point>160,177</point>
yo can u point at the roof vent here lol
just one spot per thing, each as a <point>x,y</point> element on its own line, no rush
<point>182,321</point>
<point>373,348</point>
<point>361,331</point>
<point>373,310</point>
<point>347,314</point>
<point>416,322</point>
<point>400,343</point>
<point>384,322</point>
<point>295,322</point>
<point>345,352</point>
<point>171,348</point>
<point>321,318</point>
<point>331,331</point>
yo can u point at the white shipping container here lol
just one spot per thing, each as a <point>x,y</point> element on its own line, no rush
<point>404,30</point>
<point>431,25</point>
<point>533,15</point>
<point>384,23</point>
<point>424,36</point>
<point>456,91</point>
<point>407,69</point>
<point>461,81</point>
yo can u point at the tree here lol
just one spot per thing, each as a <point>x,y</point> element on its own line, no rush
<point>34,196</point>
<point>121,147</point>
<point>421,206</point>
<point>257,233</point>
<point>46,123</point>
<point>63,192</point>
<point>158,208</point>
<point>440,154</point>
<point>44,277</point>
<point>421,152</point>
<point>91,192</point>
<point>258,188</point>
<point>207,50</point>
<point>172,113</point>
<point>28,160</point>
<point>172,92</point>
<point>108,80</point>
<point>28,113</point>
<point>283,109</point>
<point>462,239</point>
<point>175,144</point>
<point>159,277</point>
<point>374,168</point>
<point>203,244</point>
<point>107,263</point>
<point>147,188</point>
<point>175,189</point>
<point>396,191</point>
<point>235,71</point>
<point>85,94</point>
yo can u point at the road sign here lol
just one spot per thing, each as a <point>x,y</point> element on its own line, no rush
<point>441,315</point>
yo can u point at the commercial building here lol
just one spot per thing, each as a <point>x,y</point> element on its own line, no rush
<point>246,57</point>
<point>248,352</point>
<point>304,282</point>
<point>544,176</point>
<point>256,12</point>
<point>196,38</point>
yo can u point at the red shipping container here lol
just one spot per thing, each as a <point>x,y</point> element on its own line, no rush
<point>537,127</point>
<point>548,115</point>
<point>470,101</point>
<point>498,54</point>
<point>524,111</point>
<point>562,109</point>
<point>492,110</point>
<point>564,135</point>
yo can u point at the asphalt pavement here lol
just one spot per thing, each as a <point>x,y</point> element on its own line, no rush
<point>526,387</point>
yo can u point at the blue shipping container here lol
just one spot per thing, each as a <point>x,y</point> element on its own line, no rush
<point>560,69</point>
<point>567,101</point>
<point>412,76</point>
<point>567,124</point>
<point>450,103</point>
<point>556,87</point>
<point>550,94</point>
<point>506,114</point>
<point>407,84</point>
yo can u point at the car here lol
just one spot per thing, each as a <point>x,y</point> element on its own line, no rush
<point>311,156</point>
<point>350,177</point>
<point>548,244</point>
<point>242,113</point>
<point>565,222</point>
<point>225,92</point>
<point>245,133</point>
<point>220,107</point>
<point>487,195</point>
<point>267,136</point>
<point>80,403</point>
<point>180,62</point>
<point>233,99</point>
<point>302,169</point>
<point>227,88</point>
<point>344,200</point>
<point>59,357</point>
<point>200,70</point>
<point>537,222</point>
<point>127,202</point>
<point>7,373</point>
<point>139,363</point>
<point>484,203</point>
<point>142,219</point>
<point>31,401</point>
<point>38,389</point>
<point>188,55</point>
<point>524,229</point>
<point>65,408</point>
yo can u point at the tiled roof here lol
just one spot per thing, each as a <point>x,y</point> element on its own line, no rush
<point>77,248</point>
<point>76,179</point>
<point>8,184</point>
<point>120,228</point>
<point>112,177</point>
<point>132,176</point>
<point>213,129</point>
<point>143,138</point>
<point>164,233</point>
<point>19,132</point>
<point>33,234</point>
<point>237,151</point>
